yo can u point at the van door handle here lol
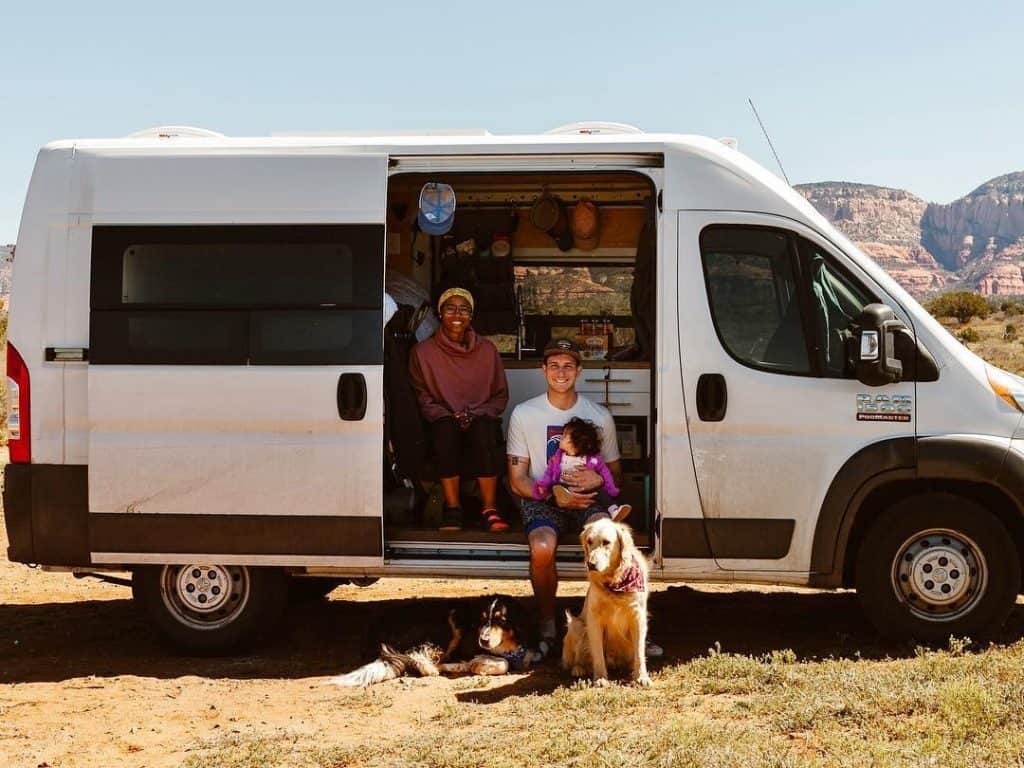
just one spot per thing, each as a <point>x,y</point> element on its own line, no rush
<point>712,397</point>
<point>351,396</point>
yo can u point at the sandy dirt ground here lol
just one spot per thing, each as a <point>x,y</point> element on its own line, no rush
<point>84,681</point>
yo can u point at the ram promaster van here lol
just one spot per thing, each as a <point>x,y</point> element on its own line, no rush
<point>206,390</point>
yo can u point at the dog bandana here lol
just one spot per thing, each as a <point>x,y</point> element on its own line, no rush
<point>632,580</point>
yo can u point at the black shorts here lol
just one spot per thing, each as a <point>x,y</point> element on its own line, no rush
<point>474,452</point>
<point>541,514</point>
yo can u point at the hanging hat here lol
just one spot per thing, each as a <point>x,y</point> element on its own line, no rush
<point>586,225</point>
<point>437,208</point>
<point>548,215</point>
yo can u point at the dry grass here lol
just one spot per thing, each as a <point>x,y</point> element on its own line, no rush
<point>994,343</point>
<point>936,708</point>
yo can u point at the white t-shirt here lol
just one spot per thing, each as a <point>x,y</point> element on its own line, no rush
<point>535,429</point>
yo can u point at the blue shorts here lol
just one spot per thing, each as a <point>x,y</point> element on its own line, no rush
<point>541,514</point>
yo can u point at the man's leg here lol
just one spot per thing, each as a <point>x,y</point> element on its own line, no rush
<point>544,575</point>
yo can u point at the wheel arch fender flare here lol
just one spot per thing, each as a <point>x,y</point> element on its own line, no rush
<point>977,459</point>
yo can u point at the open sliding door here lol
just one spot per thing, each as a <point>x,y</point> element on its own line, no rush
<point>235,375</point>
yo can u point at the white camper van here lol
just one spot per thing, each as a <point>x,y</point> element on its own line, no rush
<point>204,392</point>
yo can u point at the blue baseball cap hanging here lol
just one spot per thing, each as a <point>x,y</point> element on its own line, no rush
<point>437,208</point>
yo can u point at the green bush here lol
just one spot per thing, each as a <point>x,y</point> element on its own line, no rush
<point>1011,307</point>
<point>963,305</point>
<point>968,335</point>
<point>1010,334</point>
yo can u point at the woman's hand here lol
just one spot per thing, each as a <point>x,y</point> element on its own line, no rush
<point>463,419</point>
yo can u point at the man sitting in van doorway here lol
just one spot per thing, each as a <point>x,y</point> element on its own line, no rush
<point>534,432</point>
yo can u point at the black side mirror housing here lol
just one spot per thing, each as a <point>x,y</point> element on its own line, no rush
<point>873,346</point>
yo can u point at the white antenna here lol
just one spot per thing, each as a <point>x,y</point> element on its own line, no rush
<point>769,138</point>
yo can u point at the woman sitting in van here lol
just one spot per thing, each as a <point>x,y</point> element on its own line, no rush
<point>461,388</point>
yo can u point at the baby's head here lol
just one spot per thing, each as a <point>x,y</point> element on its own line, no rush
<point>580,438</point>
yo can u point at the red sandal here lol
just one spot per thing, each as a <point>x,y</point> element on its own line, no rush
<point>493,521</point>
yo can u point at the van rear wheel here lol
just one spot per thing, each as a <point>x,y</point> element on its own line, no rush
<point>937,565</point>
<point>205,608</point>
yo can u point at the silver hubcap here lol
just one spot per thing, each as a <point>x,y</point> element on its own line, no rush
<point>939,574</point>
<point>205,596</point>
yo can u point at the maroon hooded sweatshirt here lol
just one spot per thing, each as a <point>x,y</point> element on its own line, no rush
<point>450,377</point>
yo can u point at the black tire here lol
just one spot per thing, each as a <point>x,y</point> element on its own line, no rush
<point>307,589</point>
<point>937,565</point>
<point>240,603</point>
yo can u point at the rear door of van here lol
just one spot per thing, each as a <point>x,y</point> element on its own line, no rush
<point>235,357</point>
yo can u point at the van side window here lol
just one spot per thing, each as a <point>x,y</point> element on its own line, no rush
<point>836,301</point>
<point>755,304</point>
<point>271,295</point>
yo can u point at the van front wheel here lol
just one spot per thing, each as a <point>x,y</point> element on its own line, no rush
<point>206,608</point>
<point>937,565</point>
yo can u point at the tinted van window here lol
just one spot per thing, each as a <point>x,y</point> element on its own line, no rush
<point>307,294</point>
<point>755,304</point>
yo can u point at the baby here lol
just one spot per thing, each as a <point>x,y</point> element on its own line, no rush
<point>580,448</point>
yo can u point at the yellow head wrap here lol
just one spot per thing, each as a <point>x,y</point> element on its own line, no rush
<point>455,292</point>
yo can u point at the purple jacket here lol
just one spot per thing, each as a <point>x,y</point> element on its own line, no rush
<point>553,475</point>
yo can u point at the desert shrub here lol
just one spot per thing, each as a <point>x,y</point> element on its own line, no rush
<point>963,305</point>
<point>968,335</point>
<point>1010,333</point>
<point>1011,307</point>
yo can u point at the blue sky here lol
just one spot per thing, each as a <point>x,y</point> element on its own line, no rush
<point>920,95</point>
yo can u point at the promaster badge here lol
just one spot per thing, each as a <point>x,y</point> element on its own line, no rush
<point>884,407</point>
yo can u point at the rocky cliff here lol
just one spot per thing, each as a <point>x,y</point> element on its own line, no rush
<point>975,242</point>
<point>886,224</point>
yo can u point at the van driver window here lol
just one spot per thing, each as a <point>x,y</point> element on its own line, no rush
<point>836,300</point>
<point>753,295</point>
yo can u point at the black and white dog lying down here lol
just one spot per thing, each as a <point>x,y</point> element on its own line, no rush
<point>490,636</point>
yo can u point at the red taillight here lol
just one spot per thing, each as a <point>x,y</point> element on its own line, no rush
<point>19,437</point>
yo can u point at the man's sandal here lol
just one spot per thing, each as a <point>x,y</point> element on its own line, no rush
<point>493,521</point>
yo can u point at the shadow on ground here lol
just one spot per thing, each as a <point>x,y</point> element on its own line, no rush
<point>56,641</point>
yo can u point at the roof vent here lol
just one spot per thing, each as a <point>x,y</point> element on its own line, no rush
<point>593,128</point>
<point>175,132</point>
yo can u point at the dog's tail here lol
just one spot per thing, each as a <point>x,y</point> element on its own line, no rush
<point>390,665</point>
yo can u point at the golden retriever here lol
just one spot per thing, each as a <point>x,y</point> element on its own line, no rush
<point>612,630</point>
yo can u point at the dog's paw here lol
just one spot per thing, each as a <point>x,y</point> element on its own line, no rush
<point>578,671</point>
<point>601,682</point>
<point>644,681</point>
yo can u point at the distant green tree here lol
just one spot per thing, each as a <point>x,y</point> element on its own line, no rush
<point>1010,334</point>
<point>963,305</point>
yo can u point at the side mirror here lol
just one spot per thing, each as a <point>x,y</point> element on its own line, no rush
<point>873,346</point>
